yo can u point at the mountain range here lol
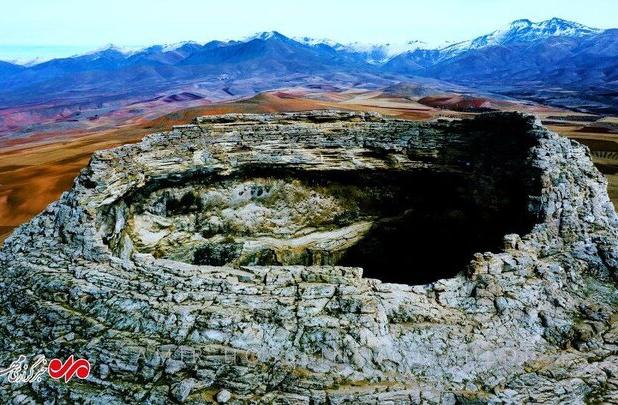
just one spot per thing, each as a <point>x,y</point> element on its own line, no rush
<point>555,61</point>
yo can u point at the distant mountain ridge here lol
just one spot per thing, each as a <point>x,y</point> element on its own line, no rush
<point>522,30</point>
<point>555,52</point>
<point>523,57</point>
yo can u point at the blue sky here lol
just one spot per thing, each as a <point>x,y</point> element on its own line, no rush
<point>48,28</point>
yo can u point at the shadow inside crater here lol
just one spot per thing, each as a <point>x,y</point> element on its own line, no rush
<point>410,225</point>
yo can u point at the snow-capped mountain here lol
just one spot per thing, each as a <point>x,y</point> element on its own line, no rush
<point>319,41</point>
<point>375,54</point>
<point>111,48</point>
<point>178,45</point>
<point>382,53</point>
<point>522,31</point>
<point>536,60</point>
<point>518,34</point>
<point>265,35</point>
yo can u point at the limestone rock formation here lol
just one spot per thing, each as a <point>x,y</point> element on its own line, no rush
<point>323,257</point>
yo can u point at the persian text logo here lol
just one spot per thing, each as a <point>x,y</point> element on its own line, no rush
<point>21,372</point>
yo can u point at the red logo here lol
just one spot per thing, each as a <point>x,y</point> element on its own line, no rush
<point>79,367</point>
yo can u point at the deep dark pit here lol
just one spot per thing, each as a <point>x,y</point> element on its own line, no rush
<point>431,227</point>
<point>426,225</point>
<point>404,224</point>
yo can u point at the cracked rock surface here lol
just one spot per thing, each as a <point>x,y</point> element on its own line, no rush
<point>247,258</point>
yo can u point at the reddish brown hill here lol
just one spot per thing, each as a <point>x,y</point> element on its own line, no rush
<point>459,103</point>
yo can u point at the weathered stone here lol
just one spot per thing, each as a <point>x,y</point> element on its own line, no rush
<point>182,390</point>
<point>225,257</point>
<point>223,396</point>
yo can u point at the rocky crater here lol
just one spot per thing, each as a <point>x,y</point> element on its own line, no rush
<point>382,197</point>
<point>324,257</point>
